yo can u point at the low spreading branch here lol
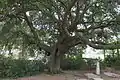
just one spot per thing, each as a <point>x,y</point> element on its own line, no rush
<point>40,45</point>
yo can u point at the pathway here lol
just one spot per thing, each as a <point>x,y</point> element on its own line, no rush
<point>73,75</point>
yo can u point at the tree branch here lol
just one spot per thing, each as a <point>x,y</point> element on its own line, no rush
<point>99,46</point>
<point>79,17</point>
<point>40,45</point>
<point>96,27</point>
<point>63,26</point>
<point>108,46</point>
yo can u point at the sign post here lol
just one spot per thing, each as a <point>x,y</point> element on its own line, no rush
<point>98,67</point>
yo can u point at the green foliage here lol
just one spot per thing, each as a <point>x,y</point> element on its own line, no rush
<point>19,68</point>
<point>91,63</point>
<point>113,62</point>
<point>109,60</point>
<point>74,63</point>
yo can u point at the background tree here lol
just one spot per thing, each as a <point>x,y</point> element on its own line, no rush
<point>56,26</point>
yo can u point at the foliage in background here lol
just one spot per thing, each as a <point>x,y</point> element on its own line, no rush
<point>112,61</point>
<point>14,68</point>
<point>77,63</point>
<point>18,68</point>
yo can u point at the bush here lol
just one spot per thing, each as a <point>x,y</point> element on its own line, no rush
<point>19,68</point>
<point>91,63</point>
<point>113,62</point>
<point>73,63</point>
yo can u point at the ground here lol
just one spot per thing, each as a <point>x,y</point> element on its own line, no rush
<point>66,75</point>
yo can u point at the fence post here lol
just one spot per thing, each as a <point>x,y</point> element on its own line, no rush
<point>98,67</point>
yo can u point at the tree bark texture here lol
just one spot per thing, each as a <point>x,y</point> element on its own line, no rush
<point>55,59</point>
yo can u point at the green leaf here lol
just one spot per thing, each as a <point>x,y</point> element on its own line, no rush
<point>7,27</point>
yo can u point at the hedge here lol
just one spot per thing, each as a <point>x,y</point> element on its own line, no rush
<point>12,68</point>
<point>77,63</point>
<point>19,68</point>
<point>112,61</point>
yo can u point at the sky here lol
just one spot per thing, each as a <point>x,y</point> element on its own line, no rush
<point>93,53</point>
<point>89,53</point>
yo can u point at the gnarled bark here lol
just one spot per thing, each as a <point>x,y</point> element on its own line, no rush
<point>55,60</point>
<point>55,63</point>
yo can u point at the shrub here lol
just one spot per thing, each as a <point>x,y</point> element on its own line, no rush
<point>73,63</point>
<point>19,68</point>
<point>91,63</point>
<point>113,62</point>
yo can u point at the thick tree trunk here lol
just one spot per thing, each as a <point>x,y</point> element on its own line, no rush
<point>55,63</point>
<point>59,49</point>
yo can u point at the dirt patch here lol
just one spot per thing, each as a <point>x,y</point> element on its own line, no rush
<point>67,75</point>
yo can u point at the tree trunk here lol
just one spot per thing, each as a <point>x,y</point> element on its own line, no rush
<point>56,56</point>
<point>113,53</point>
<point>118,53</point>
<point>104,52</point>
<point>55,63</point>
